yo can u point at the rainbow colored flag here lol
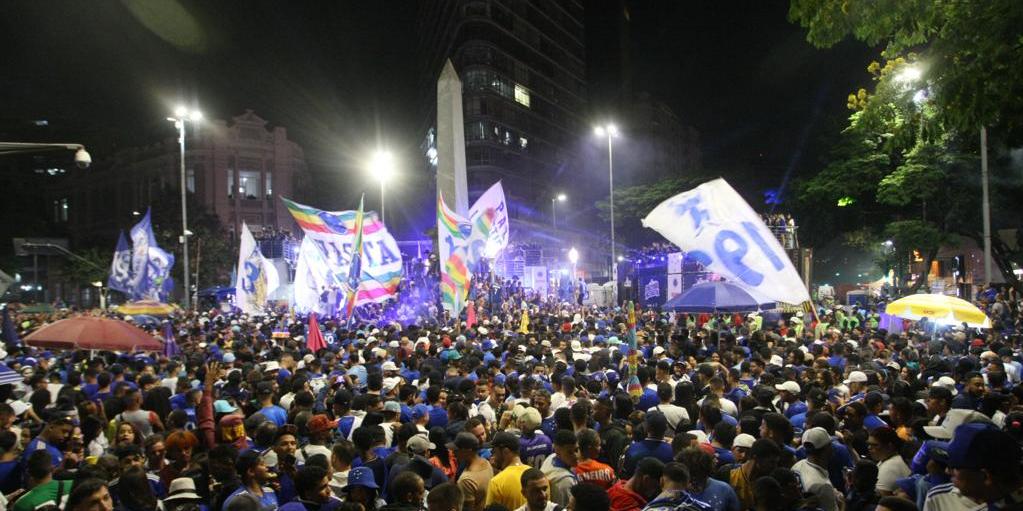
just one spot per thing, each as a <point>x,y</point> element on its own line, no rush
<point>453,233</point>
<point>327,255</point>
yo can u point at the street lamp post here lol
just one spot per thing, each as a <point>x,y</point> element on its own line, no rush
<point>181,115</point>
<point>382,166</point>
<point>610,131</point>
<point>554,208</point>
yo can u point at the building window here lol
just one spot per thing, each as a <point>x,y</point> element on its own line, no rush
<point>521,95</point>
<point>523,142</point>
<point>269,184</point>
<point>60,210</point>
<point>230,183</point>
<point>190,180</point>
<point>248,184</point>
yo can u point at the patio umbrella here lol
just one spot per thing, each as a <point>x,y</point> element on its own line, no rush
<point>147,307</point>
<point>93,333</point>
<point>716,297</point>
<point>942,309</point>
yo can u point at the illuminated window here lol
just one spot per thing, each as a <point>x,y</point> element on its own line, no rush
<point>230,183</point>
<point>522,95</point>
<point>190,180</point>
<point>269,184</point>
<point>248,184</point>
<point>523,142</point>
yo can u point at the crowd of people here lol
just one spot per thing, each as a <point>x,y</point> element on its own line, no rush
<point>538,406</point>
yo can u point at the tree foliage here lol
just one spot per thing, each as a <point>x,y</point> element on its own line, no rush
<point>971,51</point>
<point>633,203</point>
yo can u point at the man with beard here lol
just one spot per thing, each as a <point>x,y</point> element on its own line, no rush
<point>284,447</point>
<point>53,439</point>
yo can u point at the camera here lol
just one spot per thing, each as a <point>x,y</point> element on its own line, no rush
<point>82,158</point>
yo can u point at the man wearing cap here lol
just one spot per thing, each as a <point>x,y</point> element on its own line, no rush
<point>254,475</point>
<point>319,429</point>
<point>506,486</point>
<point>813,472</point>
<point>985,465</point>
<point>535,446</point>
<point>857,383</point>
<point>477,472</point>
<point>788,399</point>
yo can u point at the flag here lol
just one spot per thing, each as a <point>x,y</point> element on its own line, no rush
<point>489,218</point>
<point>120,267</point>
<point>314,339</point>
<point>170,346</point>
<point>158,281</point>
<point>631,323</point>
<point>257,277</point>
<point>453,232</point>
<point>351,285</point>
<point>141,238</point>
<point>325,258</point>
<point>10,333</point>
<point>717,228</point>
<point>8,375</point>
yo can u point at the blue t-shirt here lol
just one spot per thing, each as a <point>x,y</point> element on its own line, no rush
<point>725,456</point>
<point>534,450</point>
<point>719,495</point>
<point>267,501</point>
<point>648,400</point>
<point>646,449</point>
<point>438,417</point>
<point>796,408</point>
<point>37,444</point>
<point>275,414</point>
<point>872,422</point>
<point>549,426</point>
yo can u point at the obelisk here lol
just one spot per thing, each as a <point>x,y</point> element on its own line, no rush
<point>451,180</point>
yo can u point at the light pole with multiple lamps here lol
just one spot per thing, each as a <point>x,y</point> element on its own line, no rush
<point>610,131</point>
<point>554,208</point>
<point>382,167</point>
<point>181,115</point>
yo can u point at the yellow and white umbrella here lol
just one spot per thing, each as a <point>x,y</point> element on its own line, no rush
<point>942,309</point>
<point>147,307</point>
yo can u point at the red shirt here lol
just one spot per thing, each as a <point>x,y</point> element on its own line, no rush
<point>593,471</point>
<point>624,499</point>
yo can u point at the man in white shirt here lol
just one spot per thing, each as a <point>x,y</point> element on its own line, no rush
<point>676,415</point>
<point>813,471</point>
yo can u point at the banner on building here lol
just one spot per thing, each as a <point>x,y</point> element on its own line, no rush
<point>325,258</point>
<point>718,229</point>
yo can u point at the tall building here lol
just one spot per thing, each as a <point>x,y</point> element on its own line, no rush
<point>524,93</point>
<point>236,170</point>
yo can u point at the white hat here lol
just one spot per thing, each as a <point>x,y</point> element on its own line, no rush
<point>788,386</point>
<point>744,440</point>
<point>776,360</point>
<point>308,358</point>
<point>182,488</point>
<point>701,437</point>
<point>522,347</point>
<point>483,331</point>
<point>271,366</point>
<point>953,419</point>
<point>946,382</point>
<point>393,344</point>
<point>576,345</point>
<point>856,377</point>
<point>389,366</point>
<point>545,343</point>
<point>817,437</point>
<point>658,350</point>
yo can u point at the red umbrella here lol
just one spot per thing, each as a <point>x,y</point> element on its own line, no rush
<point>315,341</point>
<point>93,333</point>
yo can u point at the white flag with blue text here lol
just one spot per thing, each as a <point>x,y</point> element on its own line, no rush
<point>257,277</point>
<point>716,227</point>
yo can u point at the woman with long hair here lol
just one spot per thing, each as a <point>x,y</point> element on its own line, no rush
<point>442,457</point>
<point>126,433</point>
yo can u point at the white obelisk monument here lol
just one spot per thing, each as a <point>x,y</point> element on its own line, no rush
<point>451,179</point>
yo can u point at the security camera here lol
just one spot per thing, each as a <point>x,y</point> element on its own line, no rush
<point>82,158</point>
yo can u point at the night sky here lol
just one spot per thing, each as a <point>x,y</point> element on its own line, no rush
<point>341,77</point>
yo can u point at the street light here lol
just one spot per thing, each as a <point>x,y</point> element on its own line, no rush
<point>82,157</point>
<point>610,131</point>
<point>181,115</point>
<point>382,166</point>
<point>554,208</point>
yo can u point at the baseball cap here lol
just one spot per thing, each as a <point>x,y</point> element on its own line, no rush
<point>271,366</point>
<point>977,446</point>
<point>419,411</point>
<point>817,437</point>
<point>421,444</point>
<point>392,406</point>
<point>388,366</point>
<point>930,450</point>
<point>229,358</point>
<point>788,386</point>
<point>505,439</point>
<point>531,418</point>
<point>946,382</point>
<point>182,488</point>
<point>224,406</point>
<point>953,419</point>
<point>856,377</point>
<point>744,440</point>
<point>320,423</point>
<point>464,440</point>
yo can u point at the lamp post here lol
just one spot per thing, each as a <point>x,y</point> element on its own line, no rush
<point>610,131</point>
<point>554,208</point>
<point>181,115</point>
<point>382,166</point>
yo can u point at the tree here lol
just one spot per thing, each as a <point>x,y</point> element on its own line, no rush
<point>972,51</point>
<point>632,204</point>
<point>209,245</point>
<point>90,266</point>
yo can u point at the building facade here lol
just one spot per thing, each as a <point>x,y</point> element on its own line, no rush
<point>523,88</point>
<point>235,169</point>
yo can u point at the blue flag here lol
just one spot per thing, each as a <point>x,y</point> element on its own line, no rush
<point>120,268</point>
<point>141,239</point>
<point>158,267</point>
